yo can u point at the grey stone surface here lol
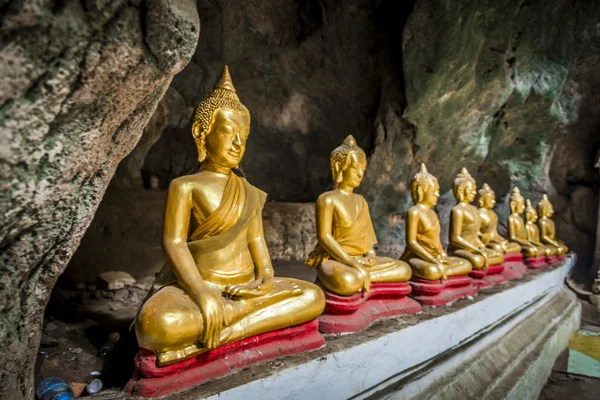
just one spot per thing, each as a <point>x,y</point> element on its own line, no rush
<point>78,83</point>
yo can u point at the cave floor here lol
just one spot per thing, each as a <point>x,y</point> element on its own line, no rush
<point>568,380</point>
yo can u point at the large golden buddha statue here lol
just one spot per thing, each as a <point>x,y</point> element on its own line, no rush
<point>465,224</point>
<point>547,227</point>
<point>533,232</point>
<point>489,223</point>
<point>218,285</point>
<point>516,226</point>
<point>424,252</point>
<point>344,255</point>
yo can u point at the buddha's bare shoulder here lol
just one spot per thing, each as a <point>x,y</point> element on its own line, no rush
<point>328,198</point>
<point>198,182</point>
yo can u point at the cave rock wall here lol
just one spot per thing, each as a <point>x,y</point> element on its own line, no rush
<point>79,82</point>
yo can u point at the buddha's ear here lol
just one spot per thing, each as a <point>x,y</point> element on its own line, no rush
<point>420,193</point>
<point>337,167</point>
<point>200,142</point>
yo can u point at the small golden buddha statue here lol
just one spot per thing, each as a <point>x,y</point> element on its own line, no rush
<point>489,223</point>
<point>465,225</point>
<point>218,285</point>
<point>424,252</point>
<point>344,255</point>
<point>516,226</point>
<point>533,232</point>
<point>547,227</point>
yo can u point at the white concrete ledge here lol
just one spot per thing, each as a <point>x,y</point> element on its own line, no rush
<point>372,366</point>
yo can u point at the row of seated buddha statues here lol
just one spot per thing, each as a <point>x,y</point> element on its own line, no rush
<point>538,241</point>
<point>217,306</point>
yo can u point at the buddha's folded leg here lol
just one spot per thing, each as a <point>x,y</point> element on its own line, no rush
<point>563,247</point>
<point>495,246</point>
<point>512,247</point>
<point>458,266</point>
<point>339,278</point>
<point>168,321</point>
<point>477,261</point>
<point>530,251</point>
<point>552,250</point>
<point>389,270</point>
<point>290,311</point>
<point>494,257</point>
<point>425,270</point>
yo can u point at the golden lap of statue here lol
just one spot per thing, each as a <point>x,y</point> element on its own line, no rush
<point>344,257</point>
<point>465,226</point>
<point>218,285</point>
<point>424,252</point>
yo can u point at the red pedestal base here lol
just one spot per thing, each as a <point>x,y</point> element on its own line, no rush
<point>510,257</point>
<point>552,260</point>
<point>444,291</point>
<point>346,314</point>
<point>151,381</point>
<point>488,277</point>
<point>514,268</point>
<point>536,262</point>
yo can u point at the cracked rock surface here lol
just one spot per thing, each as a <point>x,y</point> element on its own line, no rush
<point>79,82</point>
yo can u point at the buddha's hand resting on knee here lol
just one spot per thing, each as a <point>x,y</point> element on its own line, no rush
<point>364,273</point>
<point>212,309</point>
<point>442,261</point>
<point>258,287</point>
<point>483,253</point>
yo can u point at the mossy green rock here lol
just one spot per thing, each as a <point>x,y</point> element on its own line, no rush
<point>508,89</point>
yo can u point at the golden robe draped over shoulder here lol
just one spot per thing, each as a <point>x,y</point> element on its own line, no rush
<point>240,203</point>
<point>356,239</point>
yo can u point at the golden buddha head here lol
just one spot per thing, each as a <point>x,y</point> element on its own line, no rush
<point>348,163</point>
<point>545,208</point>
<point>517,201</point>
<point>487,197</point>
<point>425,188</point>
<point>464,187</point>
<point>221,125</point>
<point>530,213</point>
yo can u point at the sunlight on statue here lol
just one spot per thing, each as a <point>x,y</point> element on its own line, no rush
<point>218,285</point>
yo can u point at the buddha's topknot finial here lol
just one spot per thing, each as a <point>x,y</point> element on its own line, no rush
<point>224,81</point>
<point>222,96</point>
<point>529,207</point>
<point>485,189</point>
<point>544,205</point>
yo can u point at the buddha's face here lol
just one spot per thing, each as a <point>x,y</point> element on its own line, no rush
<point>353,174</point>
<point>226,138</point>
<point>547,211</point>
<point>431,194</point>
<point>469,191</point>
<point>517,205</point>
<point>488,200</point>
<point>531,215</point>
